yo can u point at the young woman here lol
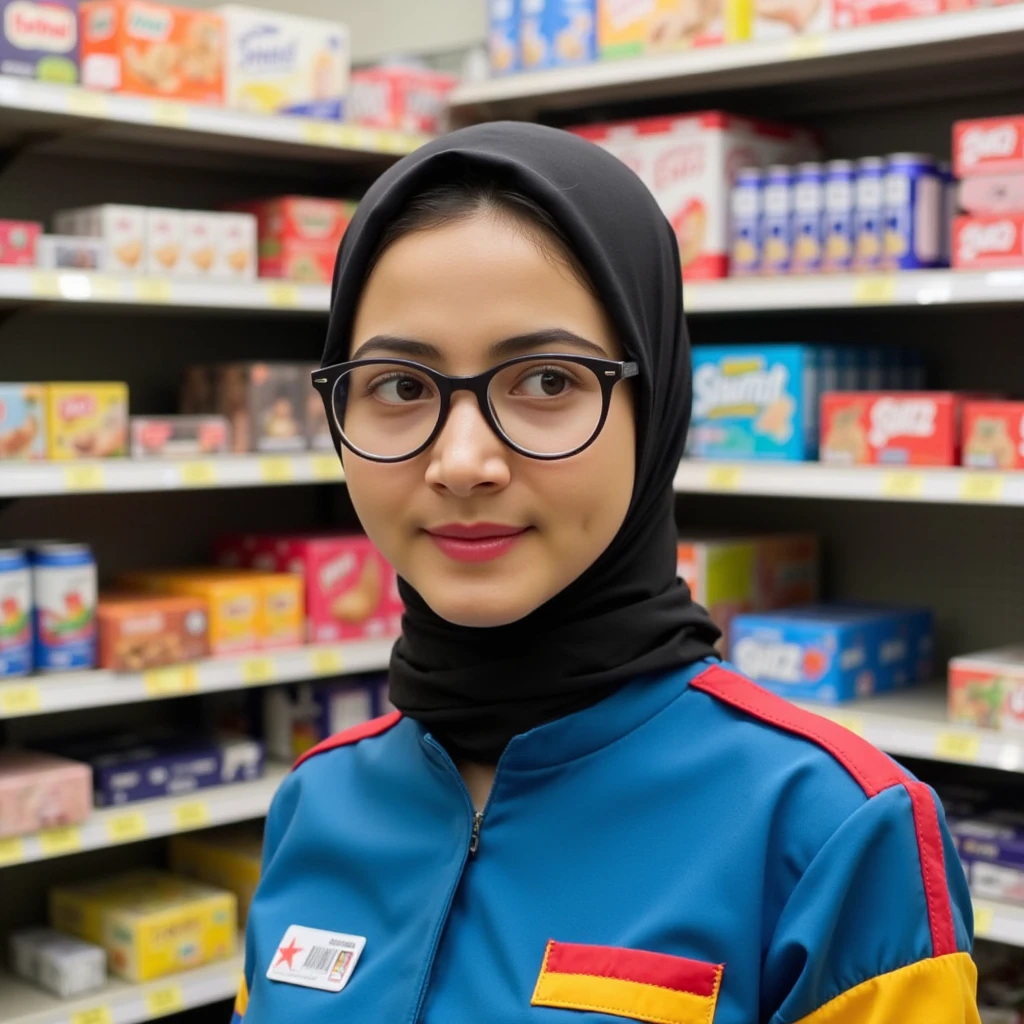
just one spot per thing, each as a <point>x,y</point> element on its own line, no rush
<point>578,813</point>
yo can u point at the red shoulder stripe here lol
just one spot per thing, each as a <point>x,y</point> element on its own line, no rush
<point>374,727</point>
<point>933,868</point>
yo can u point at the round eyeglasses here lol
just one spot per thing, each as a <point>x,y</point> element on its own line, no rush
<point>541,406</point>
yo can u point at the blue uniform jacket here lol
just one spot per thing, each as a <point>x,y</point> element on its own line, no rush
<point>692,850</point>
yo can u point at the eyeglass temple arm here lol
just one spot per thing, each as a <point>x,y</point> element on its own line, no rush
<point>630,370</point>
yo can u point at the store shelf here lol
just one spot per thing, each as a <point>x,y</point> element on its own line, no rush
<point>148,819</point>
<point>109,476</point>
<point>121,1002</point>
<point>855,483</point>
<point>868,51</point>
<point>999,922</point>
<point>72,691</point>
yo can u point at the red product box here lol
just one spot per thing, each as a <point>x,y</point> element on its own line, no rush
<point>852,13</point>
<point>994,195</point>
<point>985,243</point>
<point>993,435</point>
<point>402,99</point>
<point>991,145</point>
<point>299,236</point>
<point>899,428</point>
<point>18,242</point>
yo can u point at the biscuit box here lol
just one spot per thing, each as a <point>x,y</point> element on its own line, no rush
<point>138,633</point>
<point>23,421</point>
<point>987,689</point>
<point>402,99</point>
<point>39,39</point>
<point>179,436</point>
<point>993,436</point>
<point>990,145</point>
<point>40,791</point>
<point>854,13</point>
<point>690,163</point>
<point>988,243</point>
<point>992,195</point>
<point>503,36</point>
<point>151,924</point>
<point>901,428</point>
<point>66,252</point>
<point>627,28</point>
<point>86,421</point>
<point>164,235</point>
<point>556,33</point>
<point>122,230</point>
<point>280,63</point>
<point>151,49</point>
<point>784,19</point>
<point>18,240</point>
<point>62,965</point>
<point>228,858</point>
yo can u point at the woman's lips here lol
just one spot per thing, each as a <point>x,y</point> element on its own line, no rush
<point>475,542</point>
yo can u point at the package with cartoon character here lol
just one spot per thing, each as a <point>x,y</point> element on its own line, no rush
<point>993,435</point>
<point>22,421</point>
<point>987,688</point>
<point>87,421</point>
<point>556,33</point>
<point>503,36</point>
<point>632,28</point>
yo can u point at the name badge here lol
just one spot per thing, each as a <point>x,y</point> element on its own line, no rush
<point>316,959</point>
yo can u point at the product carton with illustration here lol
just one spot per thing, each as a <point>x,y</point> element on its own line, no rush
<point>993,435</point>
<point>986,689</point>
<point>122,229</point>
<point>634,28</point>
<point>228,858</point>
<point>556,33</point>
<point>503,36</point>
<point>988,242</point>
<point>138,633</point>
<point>39,39</point>
<point>40,791</point>
<point>23,423</point>
<point>990,145</point>
<point>87,421</point>
<point>400,98</point>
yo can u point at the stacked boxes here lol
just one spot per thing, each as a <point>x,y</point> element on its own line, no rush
<point>138,633</point>
<point>987,689</point>
<point>557,33</point>
<point>62,965</point>
<point>993,435</point>
<point>401,99</point>
<point>228,858</point>
<point>628,29</point>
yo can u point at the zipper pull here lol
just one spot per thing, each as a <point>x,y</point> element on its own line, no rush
<point>474,839</point>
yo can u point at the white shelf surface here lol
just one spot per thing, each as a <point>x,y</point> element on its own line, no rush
<point>857,483</point>
<point>148,819</point>
<point>102,476</point>
<point>72,691</point>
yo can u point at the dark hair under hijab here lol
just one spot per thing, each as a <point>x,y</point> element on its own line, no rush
<point>628,615</point>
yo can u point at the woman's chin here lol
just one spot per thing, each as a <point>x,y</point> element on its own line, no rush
<point>478,611</point>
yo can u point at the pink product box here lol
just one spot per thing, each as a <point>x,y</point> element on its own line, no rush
<point>39,791</point>
<point>996,195</point>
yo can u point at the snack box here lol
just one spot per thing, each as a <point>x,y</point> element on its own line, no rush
<point>139,633</point>
<point>503,36</point>
<point>992,195</point>
<point>228,858</point>
<point>990,145</point>
<point>66,252</point>
<point>18,239</point>
<point>731,575</point>
<point>237,247</point>
<point>151,924</point>
<point>556,33</point>
<point>318,430</point>
<point>904,428</point>
<point>39,39</point>
<point>402,99</point>
<point>164,234</point>
<point>87,421</point>
<point>993,435</point>
<point>279,63</point>
<point>630,29</point>
<point>992,851</point>
<point>121,228</point>
<point>988,243</point>
<point>854,13</point>
<point>179,436</point>
<point>39,791</point>
<point>298,236</point>
<point>784,19</point>
<point>23,421</point>
<point>153,49</point>
<point>689,163</point>
<point>65,966</point>
<point>987,689</point>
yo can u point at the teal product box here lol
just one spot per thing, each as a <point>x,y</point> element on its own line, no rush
<point>758,401</point>
<point>503,36</point>
<point>557,33</point>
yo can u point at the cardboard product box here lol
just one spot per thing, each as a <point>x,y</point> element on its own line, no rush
<point>164,235</point>
<point>901,428</point>
<point>993,435</point>
<point>151,924</point>
<point>297,718</point>
<point>557,33</point>
<point>630,29</point>
<point>689,163</point>
<point>987,689</point>
<point>179,436</point>
<point>988,243</point>
<point>39,39</point>
<point>282,620</point>
<point>992,195</point>
<point>62,965</point>
<point>18,240</point>
<point>228,858</point>
<point>87,421</point>
<point>121,228</point>
<point>152,49</point>
<point>785,19</point>
<point>40,791</point>
<point>65,252</point>
<point>503,36</point>
<point>23,421</point>
<point>991,848</point>
<point>237,247</point>
<point>281,63</point>
<point>988,145</point>
<point>854,13</point>
<point>201,242</point>
<point>401,99</point>
<point>138,633</point>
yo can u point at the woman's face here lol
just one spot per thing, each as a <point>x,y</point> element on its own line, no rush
<point>458,291</point>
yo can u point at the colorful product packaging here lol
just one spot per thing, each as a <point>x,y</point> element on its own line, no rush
<point>556,33</point>
<point>990,145</point>
<point>87,421</point>
<point>164,235</point>
<point>991,195</point>
<point>784,19</point>
<point>65,966</point>
<point>122,229</point>
<point>993,435</point>
<point>39,39</point>
<point>23,421</point>
<point>237,246</point>
<point>503,36</point>
<point>988,243</point>
<point>40,791</point>
<point>151,924</point>
<point>64,614</point>
<point>747,208</point>
<point>297,718</point>
<point>16,655</point>
<point>630,29</point>
<point>227,858</point>
<point>18,239</point>
<point>808,219</point>
<point>402,99</point>
<point>65,252</point>
<point>179,436</point>
<point>854,13</point>
<point>689,163</point>
<point>987,689</point>
<point>281,63</point>
<point>869,214</point>
<point>138,633</point>
<point>991,848</point>
<point>915,212</point>
<point>839,219</point>
<point>152,49</point>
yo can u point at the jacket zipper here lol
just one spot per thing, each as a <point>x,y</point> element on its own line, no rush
<point>474,839</point>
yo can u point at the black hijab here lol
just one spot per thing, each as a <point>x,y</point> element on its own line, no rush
<point>628,614</point>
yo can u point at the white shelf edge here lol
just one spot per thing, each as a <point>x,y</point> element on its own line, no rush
<point>73,691</point>
<point>999,922</point>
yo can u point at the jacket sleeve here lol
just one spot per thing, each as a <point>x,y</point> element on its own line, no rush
<point>878,929</point>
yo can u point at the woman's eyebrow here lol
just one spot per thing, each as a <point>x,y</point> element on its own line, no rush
<point>524,343</point>
<point>390,345</point>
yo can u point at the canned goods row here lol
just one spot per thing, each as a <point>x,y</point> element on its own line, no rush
<point>48,595</point>
<point>872,214</point>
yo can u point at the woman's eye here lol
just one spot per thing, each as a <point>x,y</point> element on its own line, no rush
<point>400,389</point>
<point>547,382</point>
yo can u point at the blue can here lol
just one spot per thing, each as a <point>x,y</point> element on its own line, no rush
<point>915,202</point>
<point>840,188</point>
<point>65,593</point>
<point>777,231</point>
<point>869,232</point>
<point>15,614</point>
<point>747,203</point>
<point>808,218</point>
<point>503,36</point>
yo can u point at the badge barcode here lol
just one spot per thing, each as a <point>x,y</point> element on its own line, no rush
<point>320,958</point>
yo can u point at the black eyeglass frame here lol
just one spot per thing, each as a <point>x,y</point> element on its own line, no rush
<point>608,372</point>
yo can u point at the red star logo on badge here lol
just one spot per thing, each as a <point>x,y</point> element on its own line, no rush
<point>287,954</point>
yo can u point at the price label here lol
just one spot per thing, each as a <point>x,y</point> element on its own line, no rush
<point>104,287</point>
<point>84,478</point>
<point>127,827</point>
<point>198,474</point>
<point>153,289</point>
<point>393,142</point>
<point>45,286</point>
<point>983,920</point>
<point>20,700</point>
<point>95,1015</point>
<point>957,746</point>
<point>852,723</point>
<point>327,662</point>
<point>55,842</point>
<point>874,291</point>
<point>982,487</point>
<point>85,103</point>
<point>803,47</point>
<point>165,1000</point>
<point>192,814</point>
<point>12,851</point>
<point>277,470</point>
<point>258,670</point>
<point>171,681</point>
<point>898,483</point>
<point>284,296</point>
<point>725,478</point>
<point>171,115</point>
<point>326,467</point>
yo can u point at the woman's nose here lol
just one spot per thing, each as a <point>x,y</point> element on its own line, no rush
<point>467,455</point>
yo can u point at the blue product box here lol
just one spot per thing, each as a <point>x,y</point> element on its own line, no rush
<point>908,649</point>
<point>556,33</point>
<point>503,36</point>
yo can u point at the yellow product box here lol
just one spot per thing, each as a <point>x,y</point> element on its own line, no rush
<point>151,924</point>
<point>633,28</point>
<point>87,421</point>
<point>228,858</point>
<point>282,616</point>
